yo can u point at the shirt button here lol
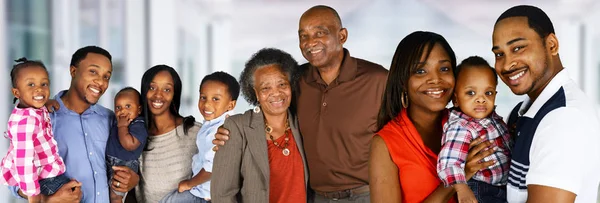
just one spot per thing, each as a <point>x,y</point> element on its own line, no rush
<point>90,153</point>
<point>94,172</point>
<point>324,103</point>
<point>98,193</point>
<point>85,134</point>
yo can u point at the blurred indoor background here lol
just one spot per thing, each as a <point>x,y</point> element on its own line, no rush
<point>198,37</point>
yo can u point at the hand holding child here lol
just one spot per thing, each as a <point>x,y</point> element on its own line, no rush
<point>464,193</point>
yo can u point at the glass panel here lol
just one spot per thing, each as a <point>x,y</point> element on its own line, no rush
<point>89,15</point>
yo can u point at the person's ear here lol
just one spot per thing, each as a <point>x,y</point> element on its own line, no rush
<point>231,105</point>
<point>139,110</point>
<point>72,71</point>
<point>552,44</point>
<point>16,93</point>
<point>343,35</point>
<point>454,100</point>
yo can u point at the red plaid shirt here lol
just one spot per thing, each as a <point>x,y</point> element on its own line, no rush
<point>32,154</point>
<point>458,133</point>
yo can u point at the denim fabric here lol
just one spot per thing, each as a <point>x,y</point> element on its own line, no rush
<point>484,192</point>
<point>114,161</point>
<point>361,198</point>
<point>176,197</point>
<point>49,186</point>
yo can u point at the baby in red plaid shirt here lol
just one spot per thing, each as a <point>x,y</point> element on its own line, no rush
<point>32,162</point>
<point>473,117</point>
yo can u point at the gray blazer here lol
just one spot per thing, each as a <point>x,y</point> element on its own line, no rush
<point>241,167</point>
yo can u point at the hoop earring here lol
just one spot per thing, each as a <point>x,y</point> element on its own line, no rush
<point>403,99</point>
<point>256,109</point>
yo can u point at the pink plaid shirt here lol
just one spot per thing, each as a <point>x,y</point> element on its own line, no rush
<point>458,133</point>
<point>32,154</point>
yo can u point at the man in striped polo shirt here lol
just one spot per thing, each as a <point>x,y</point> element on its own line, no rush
<point>556,157</point>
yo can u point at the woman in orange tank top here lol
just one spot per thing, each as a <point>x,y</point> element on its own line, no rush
<point>404,152</point>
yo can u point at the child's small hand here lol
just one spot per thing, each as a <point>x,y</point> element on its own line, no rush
<point>464,193</point>
<point>184,186</point>
<point>123,120</point>
<point>52,105</point>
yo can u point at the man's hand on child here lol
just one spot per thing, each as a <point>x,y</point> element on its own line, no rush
<point>124,179</point>
<point>69,192</point>
<point>220,138</point>
<point>184,186</point>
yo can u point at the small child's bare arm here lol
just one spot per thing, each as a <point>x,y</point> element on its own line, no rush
<point>127,140</point>
<point>200,178</point>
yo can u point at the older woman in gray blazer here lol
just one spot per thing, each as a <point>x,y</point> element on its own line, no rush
<point>264,159</point>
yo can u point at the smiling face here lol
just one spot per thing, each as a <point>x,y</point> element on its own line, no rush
<point>272,89</point>
<point>475,91</point>
<point>321,37</point>
<point>430,86</point>
<point>214,100</point>
<point>91,76</point>
<point>161,93</point>
<point>33,87</point>
<point>522,56</point>
<point>127,103</point>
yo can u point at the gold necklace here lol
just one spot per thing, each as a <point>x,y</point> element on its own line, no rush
<point>284,149</point>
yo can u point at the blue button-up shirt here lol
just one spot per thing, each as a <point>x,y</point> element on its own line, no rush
<point>205,156</point>
<point>81,141</point>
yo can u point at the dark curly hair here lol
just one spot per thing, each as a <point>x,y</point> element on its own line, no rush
<point>233,87</point>
<point>262,58</point>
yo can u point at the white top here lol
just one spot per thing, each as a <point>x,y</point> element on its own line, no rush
<point>563,151</point>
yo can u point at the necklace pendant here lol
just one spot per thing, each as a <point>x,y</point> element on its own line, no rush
<point>286,152</point>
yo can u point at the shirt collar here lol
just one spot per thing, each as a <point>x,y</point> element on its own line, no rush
<point>63,109</point>
<point>555,84</point>
<point>37,111</point>
<point>218,119</point>
<point>348,70</point>
<point>456,114</point>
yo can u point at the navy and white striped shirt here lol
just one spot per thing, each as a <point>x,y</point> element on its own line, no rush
<point>557,142</point>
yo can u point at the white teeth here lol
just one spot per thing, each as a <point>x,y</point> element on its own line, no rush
<point>95,90</point>
<point>208,112</point>
<point>315,51</point>
<point>38,97</point>
<point>435,92</point>
<point>517,76</point>
<point>157,104</point>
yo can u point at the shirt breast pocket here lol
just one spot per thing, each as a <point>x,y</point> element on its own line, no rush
<point>97,130</point>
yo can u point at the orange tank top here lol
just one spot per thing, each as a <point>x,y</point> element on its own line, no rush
<point>286,172</point>
<point>416,162</point>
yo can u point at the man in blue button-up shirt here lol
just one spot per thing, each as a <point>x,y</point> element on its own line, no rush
<point>81,128</point>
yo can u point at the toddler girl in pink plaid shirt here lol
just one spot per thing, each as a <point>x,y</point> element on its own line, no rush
<point>32,162</point>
